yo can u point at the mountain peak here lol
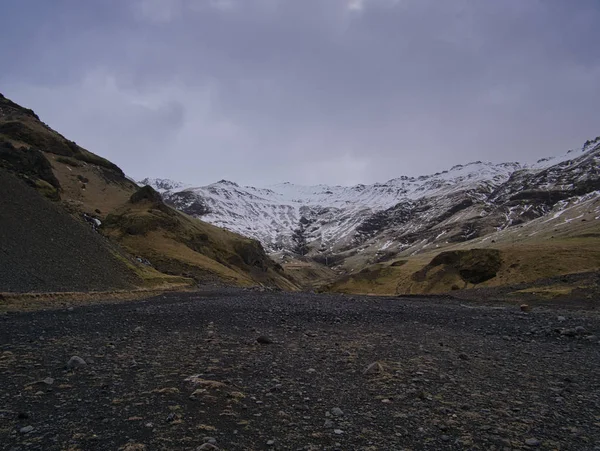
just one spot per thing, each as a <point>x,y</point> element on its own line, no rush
<point>162,185</point>
<point>226,183</point>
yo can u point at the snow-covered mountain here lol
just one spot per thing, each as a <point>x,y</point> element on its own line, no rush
<point>462,203</point>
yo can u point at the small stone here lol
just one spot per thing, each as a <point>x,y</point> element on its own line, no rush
<point>75,362</point>
<point>338,431</point>
<point>561,319</point>
<point>374,368</point>
<point>591,338</point>
<point>207,446</point>
<point>311,370</point>
<point>568,332</point>
<point>270,442</point>
<point>336,411</point>
<point>134,447</point>
<point>463,356</point>
<point>445,438</point>
<point>48,381</point>
<point>525,308</point>
<point>26,430</point>
<point>328,424</point>
<point>532,442</point>
<point>264,340</point>
<point>211,440</point>
<point>580,330</point>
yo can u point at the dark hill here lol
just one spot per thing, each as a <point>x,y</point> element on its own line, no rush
<point>141,241</point>
<point>42,248</point>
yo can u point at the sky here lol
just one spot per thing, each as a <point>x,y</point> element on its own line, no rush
<point>306,91</point>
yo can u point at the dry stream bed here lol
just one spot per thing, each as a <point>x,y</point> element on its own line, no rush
<point>185,371</point>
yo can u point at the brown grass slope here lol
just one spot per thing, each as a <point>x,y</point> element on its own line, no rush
<point>178,244</point>
<point>91,188</point>
<point>526,255</point>
<point>459,269</point>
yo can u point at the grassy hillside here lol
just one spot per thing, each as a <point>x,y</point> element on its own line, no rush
<point>178,244</point>
<point>461,268</point>
<point>174,248</point>
<point>561,243</point>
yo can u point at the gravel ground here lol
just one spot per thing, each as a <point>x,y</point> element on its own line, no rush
<point>242,370</point>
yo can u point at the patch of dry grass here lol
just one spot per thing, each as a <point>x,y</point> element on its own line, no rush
<point>19,302</point>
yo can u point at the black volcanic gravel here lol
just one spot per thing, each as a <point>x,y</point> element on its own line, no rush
<point>186,372</point>
<point>42,248</point>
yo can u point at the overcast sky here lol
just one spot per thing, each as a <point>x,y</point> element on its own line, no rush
<point>307,91</point>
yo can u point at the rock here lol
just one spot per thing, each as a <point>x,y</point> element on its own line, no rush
<point>328,424</point>
<point>26,430</point>
<point>264,340</point>
<point>374,368</point>
<point>311,370</point>
<point>336,411</point>
<point>463,356</point>
<point>211,440</point>
<point>75,362</point>
<point>207,446</point>
<point>591,338</point>
<point>532,442</point>
<point>561,319</point>
<point>270,442</point>
<point>338,431</point>
<point>134,447</point>
<point>525,308</point>
<point>580,330</point>
<point>48,381</point>
<point>568,332</point>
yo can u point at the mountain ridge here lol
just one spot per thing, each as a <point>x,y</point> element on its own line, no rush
<point>464,202</point>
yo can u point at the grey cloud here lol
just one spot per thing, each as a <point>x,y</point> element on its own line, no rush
<point>262,91</point>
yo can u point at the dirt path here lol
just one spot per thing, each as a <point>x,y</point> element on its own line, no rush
<point>182,370</point>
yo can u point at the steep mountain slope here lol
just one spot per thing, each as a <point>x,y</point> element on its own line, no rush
<point>44,249</point>
<point>155,243</point>
<point>457,205</point>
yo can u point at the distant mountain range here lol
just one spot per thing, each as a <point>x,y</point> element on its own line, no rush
<point>405,213</point>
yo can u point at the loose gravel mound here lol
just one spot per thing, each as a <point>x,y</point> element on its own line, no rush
<point>42,248</point>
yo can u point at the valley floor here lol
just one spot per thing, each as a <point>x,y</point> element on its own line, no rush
<point>348,373</point>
